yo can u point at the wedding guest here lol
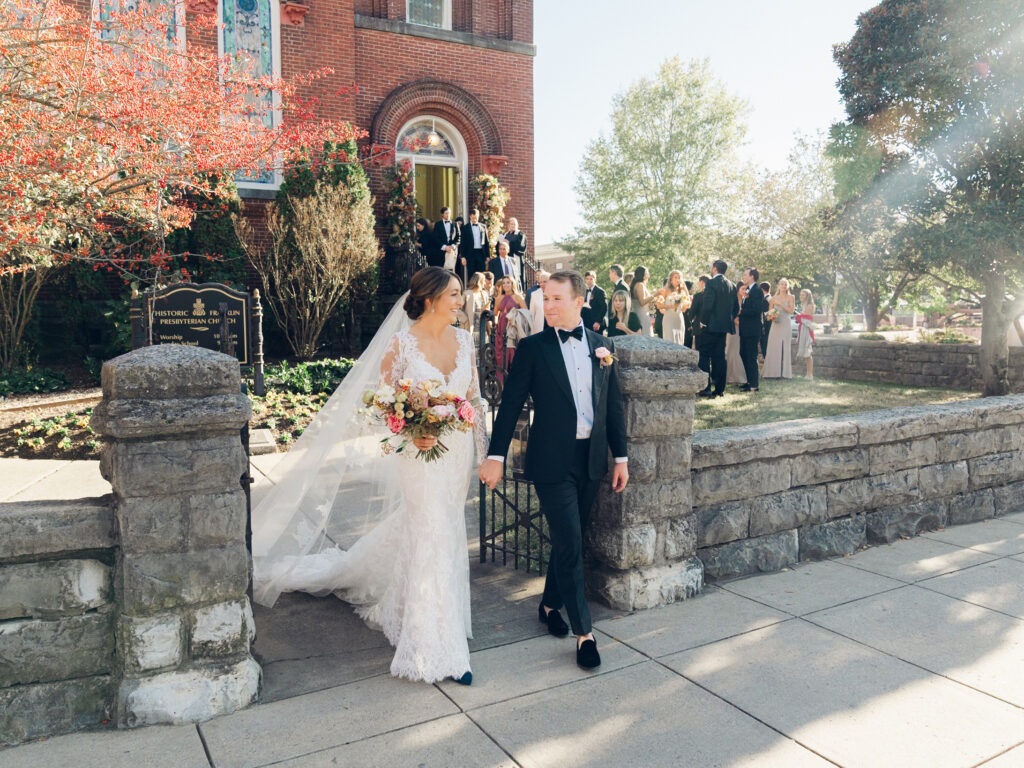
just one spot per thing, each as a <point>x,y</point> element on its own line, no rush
<point>657,313</point>
<point>477,300</point>
<point>688,316</point>
<point>766,291</point>
<point>446,239</point>
<point>703,359</point>
<point>615,278</point>
<point>516,239</point>
<point>489,288</point>
<point>473,245</point>
<point>426,243</point>
<point>805,333</point>
<point>622,321</point>
<point>753,305</point>
<point>628,278</point>
<point>641,298</point>
<point>778,362</point>
<point>595,304</point>
<point>537,303</point>
<point>718,311</point>
<point>504,264</point>
<point>734,371</point>
<point>506,299</point>
<point>673,300</point>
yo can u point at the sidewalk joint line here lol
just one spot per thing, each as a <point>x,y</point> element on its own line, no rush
<point>206,747</point>
<point>496,742</point>
<point>990,759</point>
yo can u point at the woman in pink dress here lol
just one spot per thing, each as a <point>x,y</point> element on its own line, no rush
<point>506,299</point>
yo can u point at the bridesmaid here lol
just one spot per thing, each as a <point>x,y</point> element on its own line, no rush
<point>735,373</point>
<point>673,299</point>
<point>506,299</point>
<point>805,333</point>
<point>641,298</point>
<point>778,363</point>
<point>621,320</point>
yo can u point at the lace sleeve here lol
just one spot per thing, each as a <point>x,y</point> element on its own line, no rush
<point>475,396</point>
<point>393,364</point>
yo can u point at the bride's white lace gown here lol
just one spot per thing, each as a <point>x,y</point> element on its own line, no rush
<point>409,576</point>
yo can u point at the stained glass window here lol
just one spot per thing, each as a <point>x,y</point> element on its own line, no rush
<point>425,139</point>
<point>104,10</point>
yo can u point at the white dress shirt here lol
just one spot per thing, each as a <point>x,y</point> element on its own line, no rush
<point>477,237</point>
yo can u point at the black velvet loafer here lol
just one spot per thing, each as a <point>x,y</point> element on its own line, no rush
<point>587,655</point>
<point>556,624</point>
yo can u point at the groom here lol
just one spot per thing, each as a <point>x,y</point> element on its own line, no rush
<point>578,415</point>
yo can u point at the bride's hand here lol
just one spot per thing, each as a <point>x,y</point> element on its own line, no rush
<point>425,443</point>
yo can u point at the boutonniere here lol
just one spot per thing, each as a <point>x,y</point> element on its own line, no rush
<point>604,356</point>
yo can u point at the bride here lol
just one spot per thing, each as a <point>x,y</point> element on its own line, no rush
<point>385,533</point>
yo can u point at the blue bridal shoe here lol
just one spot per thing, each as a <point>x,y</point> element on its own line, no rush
<point>466,679</point>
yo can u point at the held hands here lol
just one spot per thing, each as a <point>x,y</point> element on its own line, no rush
<point>490,472</point>
<point>425,443</point>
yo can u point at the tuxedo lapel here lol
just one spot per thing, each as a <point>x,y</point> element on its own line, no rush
<point>553,355</point>
<point>597,384</point>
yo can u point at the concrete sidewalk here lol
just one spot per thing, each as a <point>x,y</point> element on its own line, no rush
<point>904,655</point>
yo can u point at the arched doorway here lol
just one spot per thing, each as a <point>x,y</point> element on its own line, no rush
<point>438,154</point>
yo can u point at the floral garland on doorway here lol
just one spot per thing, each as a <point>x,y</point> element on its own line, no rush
<point>401,205</point>
<point>490,198</point>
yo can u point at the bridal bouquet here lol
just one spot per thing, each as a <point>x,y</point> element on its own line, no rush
<point>772,315</point>
<point>418,409</point>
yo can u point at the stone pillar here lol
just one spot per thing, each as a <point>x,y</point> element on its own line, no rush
<point>641,543</point>
<point>172,415</point>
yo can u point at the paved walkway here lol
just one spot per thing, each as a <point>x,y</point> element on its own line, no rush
<point>904,655</point>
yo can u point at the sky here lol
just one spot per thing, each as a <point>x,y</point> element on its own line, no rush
<point>774,54</point>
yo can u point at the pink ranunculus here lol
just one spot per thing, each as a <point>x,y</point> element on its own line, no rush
<point>395,424</point>
<point>442,411</point>
<point>467,412</point>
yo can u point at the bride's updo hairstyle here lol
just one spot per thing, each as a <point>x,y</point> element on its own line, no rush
<point>428,283</point>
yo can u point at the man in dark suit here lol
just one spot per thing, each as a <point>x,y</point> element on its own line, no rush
<point>718,312</point>
<point>516,239</point>
<point>473,245</point>
<point>446,235</point>
<point>615,278</point>
<point>751,324</point>
<point>504,265</point>
<point>595,305</point>
<point>766,290</point>
<point>697,305</point>
<point>689,317</point>
<point>578,415</point>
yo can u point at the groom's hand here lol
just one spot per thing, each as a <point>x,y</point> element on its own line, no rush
<point>620,476</point>
<point>490,472</point>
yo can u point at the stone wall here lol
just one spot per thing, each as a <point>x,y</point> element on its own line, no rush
<point>768,496</point>
<point>954,366</point>
<point>132,609</point>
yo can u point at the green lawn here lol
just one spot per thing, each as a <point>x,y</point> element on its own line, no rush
<point>780,400</point>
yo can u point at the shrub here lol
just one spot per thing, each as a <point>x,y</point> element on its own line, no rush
<point>871,336</point>
<point>307,378</point>
<point>25,381</point>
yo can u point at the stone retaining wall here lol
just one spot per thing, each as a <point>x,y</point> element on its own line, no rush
<point>132,608</point>
<point>954,366</point>
<point>768,496</point>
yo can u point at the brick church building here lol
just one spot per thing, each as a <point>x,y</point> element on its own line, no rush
<point>460,71</point>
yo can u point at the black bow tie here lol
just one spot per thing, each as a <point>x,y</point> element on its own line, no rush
<point>576,333</point>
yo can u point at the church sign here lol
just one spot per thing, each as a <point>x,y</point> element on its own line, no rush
<point>190,315</point>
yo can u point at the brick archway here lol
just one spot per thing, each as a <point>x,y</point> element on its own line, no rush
<point>458,106</point>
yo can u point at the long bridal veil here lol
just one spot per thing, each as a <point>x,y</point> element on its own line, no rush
<point>333,486</point>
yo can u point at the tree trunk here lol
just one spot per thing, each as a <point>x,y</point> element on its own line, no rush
<point>871,303</point>
<point>18,292</point>
<point>995,353</point>
<point>833,315</point>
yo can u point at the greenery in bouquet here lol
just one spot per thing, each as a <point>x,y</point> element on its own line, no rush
<point>418,409</point>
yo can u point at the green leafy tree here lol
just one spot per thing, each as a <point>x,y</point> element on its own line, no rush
<point>663,185</point>
<point>934,85</point>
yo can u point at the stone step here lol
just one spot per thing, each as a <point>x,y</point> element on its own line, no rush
<point>261,441</point>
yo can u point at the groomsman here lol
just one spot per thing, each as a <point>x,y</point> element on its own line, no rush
<point>516,240</point>
<point>615,278</point>
<point>504,265</point>
<point>766,291</point>
<point>751,324</point>
<point>718,311</point>
<point>473,245</point>
<point>446,237</point>
<point>595,305</point>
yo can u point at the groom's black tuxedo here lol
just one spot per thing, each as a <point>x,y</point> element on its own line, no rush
<point>565,471</point>
<point>538,371</point>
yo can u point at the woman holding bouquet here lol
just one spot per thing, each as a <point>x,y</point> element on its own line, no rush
<point>405,565</point>
<point>673,299</point>
<point>805,333</point>
<point>778,362</point>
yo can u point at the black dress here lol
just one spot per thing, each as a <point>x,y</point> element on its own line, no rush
<point>633,323</point>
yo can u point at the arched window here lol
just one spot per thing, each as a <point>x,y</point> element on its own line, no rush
<point>251,28</point>
<point>104,10</point>
<point>438,154</point>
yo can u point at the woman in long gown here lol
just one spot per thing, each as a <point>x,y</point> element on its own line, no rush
<point>506,299</point>
<point>673,300</point>
<point>409,574</point>
<point>805,333</point>
<point>640,298</point>
<point>778,362</point>
<point>735,373</point>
